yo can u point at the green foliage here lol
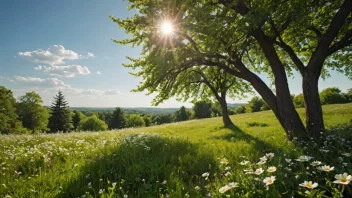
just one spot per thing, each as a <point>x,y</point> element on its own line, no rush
<point>182,114</point>
<point>33,115</point>
<point>258,124</point>
<point>240,109</point>
<point>264,107</point>
<point>348,95</point>
<point>92,123</point>
<point>254,104</point>
<point>118,119</point>
<point>135,120</point>
<point>77,117</point>
<point>162,119</point>
<point>147,120</point>
<point>8,117</point>
<point>332,95</point>
<point>60,116</point>
<point>298,101</point>
<point>202,109</point>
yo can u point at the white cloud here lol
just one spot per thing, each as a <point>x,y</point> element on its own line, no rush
<point>96,92</point>
<point>64,71</point>
<point>41,82</point>
<point>89,55</point>
<point>112,92</point>
<point>55,54</point>
<point>98,72</point>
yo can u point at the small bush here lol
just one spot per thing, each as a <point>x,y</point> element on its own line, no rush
<point>254,124</point>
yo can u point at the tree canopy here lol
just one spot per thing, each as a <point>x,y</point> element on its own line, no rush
<point>8,116</point>
<point>31,112</point>
<point>245,38</point>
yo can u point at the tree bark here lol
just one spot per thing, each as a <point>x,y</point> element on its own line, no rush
<point>290,119</point>
<point>225,113</point>
<point>314,113</point>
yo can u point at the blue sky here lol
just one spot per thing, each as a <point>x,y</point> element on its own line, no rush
<point>51,45</point>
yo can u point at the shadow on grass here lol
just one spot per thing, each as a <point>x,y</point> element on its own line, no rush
<point>139,167</point>
<point>238,135</point>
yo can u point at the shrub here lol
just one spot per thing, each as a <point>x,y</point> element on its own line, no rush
<point>92,123</point>
<point>135,120</point>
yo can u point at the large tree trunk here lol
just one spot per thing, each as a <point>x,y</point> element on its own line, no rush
<point>314,113</point>
<point>225,113</point>
<point>289,117</point>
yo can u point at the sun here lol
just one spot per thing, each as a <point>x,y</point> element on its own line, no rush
<point>167,27</point>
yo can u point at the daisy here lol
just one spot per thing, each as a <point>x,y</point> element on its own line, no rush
<point>288,160</point>
<point>248,172</point>
<point>269,155</point>
<point>271,169</point>
<point>259,171</point>
<point>269,180</point>
<point>232,185</point>
<point>303,158</point>
<point>224,189</point>
<point>197,188</point>
<point>309,184</point>
<point>343,179</point>
<point>325,168</point>
<point>206,174</point>
<point>316,163</point>
<point>244,162</point>
<point>264,158</point>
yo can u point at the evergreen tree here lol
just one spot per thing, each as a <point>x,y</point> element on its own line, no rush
<point>32,114</point>
<point>118,119</point>
<point>8,116</point>
<point>60,118</point>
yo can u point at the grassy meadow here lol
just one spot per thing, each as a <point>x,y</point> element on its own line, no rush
<point>197,158</point>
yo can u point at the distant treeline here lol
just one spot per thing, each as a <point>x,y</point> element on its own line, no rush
<point>27,115</point>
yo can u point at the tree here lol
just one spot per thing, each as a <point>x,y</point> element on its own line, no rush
<point>60,117</point>
<point>254,104</point>
<point>298,100</point>
<point>240,109</point>
<point>265,106</point>
<point>92,123</point>
<point>135,120</point>
<point>202,109</point>
<point>77,117</point>
<point>147,120</point>
<point>348,95</point>
<point>31,112</point>
<point>243,37</point>
<point>8,117</point>
<point>118,119</point>
<point>332,95</point>
<point>181,114</point>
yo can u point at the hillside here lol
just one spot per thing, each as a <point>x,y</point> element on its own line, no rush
<point>195,158</point>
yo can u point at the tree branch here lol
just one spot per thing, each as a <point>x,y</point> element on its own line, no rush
<point>288,49</point>
<point>344,42</point>
<point>319,55</point>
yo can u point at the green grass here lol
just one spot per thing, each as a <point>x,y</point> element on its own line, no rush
<point>124,162</point>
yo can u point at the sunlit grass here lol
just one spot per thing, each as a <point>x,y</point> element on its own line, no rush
<point>170,160</point>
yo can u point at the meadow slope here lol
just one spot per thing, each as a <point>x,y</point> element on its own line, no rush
<point>197,158</point>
